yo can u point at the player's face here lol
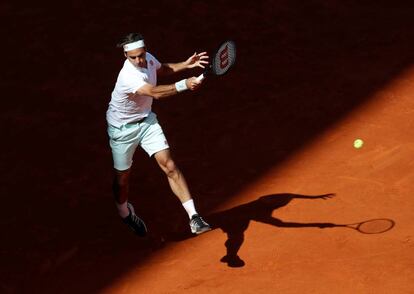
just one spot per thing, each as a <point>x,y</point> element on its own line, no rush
<point>137,57</point>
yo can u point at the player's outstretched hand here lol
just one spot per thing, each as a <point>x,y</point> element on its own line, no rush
<point>327,196</point>
<point>197,60</point>
<point>193,83</point>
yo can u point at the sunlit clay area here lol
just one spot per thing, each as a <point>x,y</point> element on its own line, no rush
<point>299,155</point>
<point>289,222</point>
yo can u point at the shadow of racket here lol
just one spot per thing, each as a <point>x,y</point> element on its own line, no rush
<point>373,226</point>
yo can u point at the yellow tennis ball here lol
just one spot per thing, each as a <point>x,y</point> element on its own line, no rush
<point>358,143</point>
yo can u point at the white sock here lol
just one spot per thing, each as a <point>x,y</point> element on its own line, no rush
<point>189,207</point>
<point>122,209</point>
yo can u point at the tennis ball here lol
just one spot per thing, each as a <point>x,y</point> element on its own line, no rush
<point>358,143</point>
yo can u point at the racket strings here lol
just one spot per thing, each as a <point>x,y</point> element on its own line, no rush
<point>224,58</point>
<point>376,226</point>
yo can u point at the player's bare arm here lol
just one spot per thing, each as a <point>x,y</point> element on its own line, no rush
<point>162,91</point>
<point>195,60</point>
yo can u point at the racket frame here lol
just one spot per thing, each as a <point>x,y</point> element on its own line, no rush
<point>210,67</point>
<point>357,226</point>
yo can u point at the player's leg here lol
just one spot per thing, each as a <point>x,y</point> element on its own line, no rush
<point>175,178</point>
<point>180,188</point>
<point>123,142</point>
<point>155,143</point>
<point>120,188</point>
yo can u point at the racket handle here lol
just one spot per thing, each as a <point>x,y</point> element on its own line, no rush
<point>200,78</point>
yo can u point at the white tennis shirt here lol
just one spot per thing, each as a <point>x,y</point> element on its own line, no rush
<point>126,108</point>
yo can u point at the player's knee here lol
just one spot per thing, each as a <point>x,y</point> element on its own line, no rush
<point>170,168</point>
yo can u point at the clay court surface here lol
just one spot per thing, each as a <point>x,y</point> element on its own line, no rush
<point>261,149</point>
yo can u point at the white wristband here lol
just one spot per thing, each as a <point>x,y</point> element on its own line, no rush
<point>181,86</point>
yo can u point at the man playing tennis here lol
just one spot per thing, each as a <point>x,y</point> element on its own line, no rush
<point>131,123</point>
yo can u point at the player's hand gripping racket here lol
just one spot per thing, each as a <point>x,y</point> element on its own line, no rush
<point>222,61</point>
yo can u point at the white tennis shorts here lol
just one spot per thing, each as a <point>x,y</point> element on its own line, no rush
<point>125,139</point>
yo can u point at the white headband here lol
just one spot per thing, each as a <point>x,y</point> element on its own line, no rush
<point>134,45</point>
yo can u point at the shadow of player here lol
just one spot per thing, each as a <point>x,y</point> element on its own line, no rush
<point>235,221</point>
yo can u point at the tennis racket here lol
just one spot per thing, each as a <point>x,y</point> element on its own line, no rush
<point>373,226</point>
<point>222,61</point>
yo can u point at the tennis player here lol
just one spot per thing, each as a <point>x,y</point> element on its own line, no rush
<point>131,123</point>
